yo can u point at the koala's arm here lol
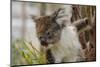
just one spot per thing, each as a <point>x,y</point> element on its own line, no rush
<point>49,56</point>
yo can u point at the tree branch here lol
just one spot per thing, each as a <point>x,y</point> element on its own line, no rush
<point>82,25</point>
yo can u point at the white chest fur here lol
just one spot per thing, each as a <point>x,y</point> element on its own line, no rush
<point>68,49</point>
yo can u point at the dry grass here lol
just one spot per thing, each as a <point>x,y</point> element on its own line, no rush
<point>24,53</point>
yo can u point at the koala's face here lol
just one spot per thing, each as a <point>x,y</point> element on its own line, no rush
<point>48,31</point>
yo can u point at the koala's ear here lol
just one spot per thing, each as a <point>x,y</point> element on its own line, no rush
<point>60,17</point>
<point>57,12</point>
<point>62,21</point>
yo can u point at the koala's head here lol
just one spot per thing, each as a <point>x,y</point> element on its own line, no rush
<point>49,28</point>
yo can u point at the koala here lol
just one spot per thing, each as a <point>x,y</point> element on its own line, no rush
<point>59,38</point>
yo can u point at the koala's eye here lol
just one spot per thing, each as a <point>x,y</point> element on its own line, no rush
<point>40,37</point>
<point>48,33</point>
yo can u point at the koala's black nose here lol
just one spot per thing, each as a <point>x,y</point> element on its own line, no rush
<point>43,41</point>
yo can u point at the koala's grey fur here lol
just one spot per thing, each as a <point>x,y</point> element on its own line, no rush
<point>59,37</point>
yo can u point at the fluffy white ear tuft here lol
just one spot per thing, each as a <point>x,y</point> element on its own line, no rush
<point>62,18</point>
<point>62,21</point>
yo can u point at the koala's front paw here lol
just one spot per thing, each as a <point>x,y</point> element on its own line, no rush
<point>49,56</point>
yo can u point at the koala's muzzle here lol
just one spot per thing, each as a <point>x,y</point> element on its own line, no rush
<point>43,42</point>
